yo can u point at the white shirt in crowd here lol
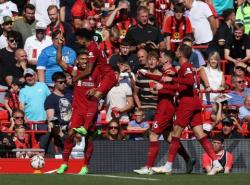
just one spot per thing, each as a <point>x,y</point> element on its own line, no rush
<point>41,13</point>
<point>34,47</point>
<point>117,97</point>
<point>3,41</point>
<point>78,150</point>
<point>198,16</point>
<point>7,8</point>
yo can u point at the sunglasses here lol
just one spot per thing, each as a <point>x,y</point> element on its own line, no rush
<point>110,128</point>
<point>12,40</point>
<point>17,117</point>
<point>7,23</point>
<point>61,82</point>
<point>232,112</point>
<point>241,81</point>
<point>239,68</point>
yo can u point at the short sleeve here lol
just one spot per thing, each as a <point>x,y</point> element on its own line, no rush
<point>22,96</point>
<point>42,60</point>
<point>49,103</point>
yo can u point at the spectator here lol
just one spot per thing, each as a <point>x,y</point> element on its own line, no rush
<point>224,33</point>
<point>46,64</point>
<point>242,15</point>
<point>245,110</point>
<point>239,91</point>
<point>32,98</point>
<point>41,13</point>
<point>52,142</point>
<point>11,101</point>
<point>114,131</point>
<point>221,7</point>
<point>196,57</point>
<point>58,104</point>
<point>8,8</point>
<point>16,72</point>
<point>126,75</point>
<point>26,26</point>
<point>36,43</point>
<point>6,25</point>
<point>7,55</point>
<point>22,141</point>
<point>121,19</point>
<point>238,49</point>
<point>18,120</point>
<point>78,149</point>
<point>202,21</point>
<point>144,33</point>
<point>6,145</point>
<point>228,131</point>
<point>144,98</point>
<point>125,55</point>
<point>177,27</point>
<point>212,77</point>
<point>142,56</point>
<point>119,101</point>
<point>224,157</point>
<point>55,24</point>
<point>139,124</point>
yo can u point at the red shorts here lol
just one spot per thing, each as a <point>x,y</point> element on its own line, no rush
<point>188,117</point>
<point>163,119</point>
<point>79,119</point>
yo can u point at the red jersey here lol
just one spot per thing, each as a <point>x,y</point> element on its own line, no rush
<point>79,8</point>
<point>124,25</point>
<point>98,57</point>
<point>185,84</point>
<point>177,30</point>
<point>80,100</point>
<point>50,29</point>
<point>13,101</point>
<point>161,7</point>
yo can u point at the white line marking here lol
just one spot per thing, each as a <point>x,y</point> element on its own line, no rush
<point>51,171</point>
<point>124,177</point>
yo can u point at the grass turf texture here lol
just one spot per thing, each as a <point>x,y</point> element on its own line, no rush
<point>126,179</point>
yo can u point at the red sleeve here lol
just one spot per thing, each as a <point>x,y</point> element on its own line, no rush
<point>167,27</point>
<point>153,77</point>
<point>77,8</point>
<point>187,80</point>
<point>206,161</point>
<point>230,159</point>
<point>189,29</point>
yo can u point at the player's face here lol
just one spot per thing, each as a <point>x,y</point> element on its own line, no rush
<point>82,61</point>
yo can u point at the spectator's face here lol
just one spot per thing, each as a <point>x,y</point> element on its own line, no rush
<point>114,38</point>
<point>12,42</point>
<point>113,128</point>
<point>29,15</point>
<point>53,15</point>
<point>18,118</point>
<point>142,57</point>
<point>152,62</point>
<point>124,67</point>
<point>92,21</point>
<point>21,56</point>
<point>7,26</point>
<point>227,129</point>
<point>40,34</point>
<point>238,33</point>
<point>143,17</point>
<point>238,71</point>
<point>139,117</point>
<point>213,62</point>
<point>178,15</point>
<point>77,23</point>
<point>60,84</point>
<point>217,145</point>
<point>20,134</point>
<point>247,102</point>
<point>56,40</point>
<point>239,84</point>
<point>124,50</point>
<point>30,79</point>
<point>69,79</point>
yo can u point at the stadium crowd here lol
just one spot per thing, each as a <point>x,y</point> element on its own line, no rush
<point>77,70</point>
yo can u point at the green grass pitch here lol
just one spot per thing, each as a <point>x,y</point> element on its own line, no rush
<point>126,179</point>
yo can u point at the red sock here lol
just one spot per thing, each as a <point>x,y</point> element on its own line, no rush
<point>152,153</point>
<point>88,151</point>
<point>173,149</point>
<point>182,152</point>
<point>207,146</point>
<point>68,145</point>
<point>91,112</point>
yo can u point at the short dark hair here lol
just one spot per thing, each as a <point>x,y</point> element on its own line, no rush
<point>85,33</point>
<point>116,69</point>
<point>226,13</point>
<point>169,54</point>
<point>55,33</point>
<point>179,7</point>
<point>29,6</point>
<point>82,51</point>
<point>12,34</point>
<point>218,138</point>
<point>18,111</point>
<point>58,75</point>
<point>185,50</point>
<point>153,54</point>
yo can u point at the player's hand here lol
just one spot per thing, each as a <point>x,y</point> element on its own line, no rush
<point>142,72</point>
<point>158,86</point>
<point>170,72</point>
<point>91,92</point>
<point>166,79</point>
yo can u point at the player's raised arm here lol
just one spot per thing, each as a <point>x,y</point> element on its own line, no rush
<point>59,58</point>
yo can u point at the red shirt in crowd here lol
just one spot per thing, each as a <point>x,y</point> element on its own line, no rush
<point>109,48</point>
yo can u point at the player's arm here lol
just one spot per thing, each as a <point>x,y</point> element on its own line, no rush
<point>85,73</point>
<point>59,59</point>
<point>187,80</point>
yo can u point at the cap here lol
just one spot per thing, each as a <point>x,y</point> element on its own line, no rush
<point>218,138</point>
<point>6,19</point>
<point>41,26</point>
<point>233,108</point>
<point>227,121</point>
<point>29,71</point>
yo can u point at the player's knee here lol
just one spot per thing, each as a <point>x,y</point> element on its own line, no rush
<point>153,136</point>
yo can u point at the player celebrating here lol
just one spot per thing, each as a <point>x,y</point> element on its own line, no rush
<point>163,117</point>
<point>188,111</point>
